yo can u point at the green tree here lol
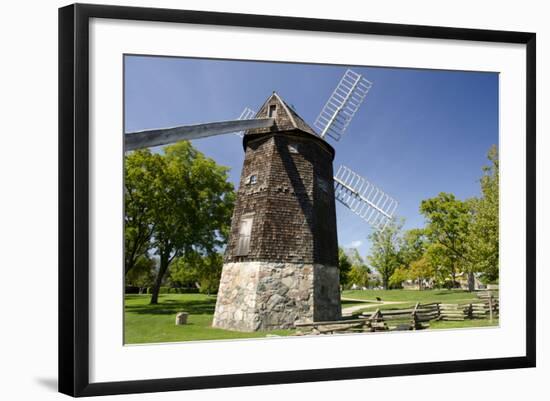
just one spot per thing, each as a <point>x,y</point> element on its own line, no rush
<point>140,186</point>
<point>448,225</point>
<point>420,270</point>
<point>484,230</point>
<point>414,245</point>
<point>385,245</point>
<point>192,212</point>
<point>359,271</point>
<point>184,205</point>
<point>398,276</point>
<point>344,264</point>
<point>442,263</point>
<point>202,271</point>
<point>142,275</point>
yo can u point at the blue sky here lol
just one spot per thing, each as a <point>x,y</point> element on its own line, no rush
<point>418,133</point>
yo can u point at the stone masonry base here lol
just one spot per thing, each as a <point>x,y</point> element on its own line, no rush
<point>266,296</point>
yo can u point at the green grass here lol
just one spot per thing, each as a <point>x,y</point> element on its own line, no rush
<point>412,296</point>
<point>408,298</point>
<point>441,324</point>
<point>144,323</point>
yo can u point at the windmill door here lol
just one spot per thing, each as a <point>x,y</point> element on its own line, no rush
<point>245,231</point>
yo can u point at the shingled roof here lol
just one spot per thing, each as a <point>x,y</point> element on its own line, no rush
<point>285,117</point>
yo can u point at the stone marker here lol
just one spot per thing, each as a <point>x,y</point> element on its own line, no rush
<point>181,318</point>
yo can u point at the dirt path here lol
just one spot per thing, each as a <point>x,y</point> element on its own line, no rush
<point>366,304</point>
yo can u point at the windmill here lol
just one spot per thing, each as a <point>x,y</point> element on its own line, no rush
<point>281,260</point>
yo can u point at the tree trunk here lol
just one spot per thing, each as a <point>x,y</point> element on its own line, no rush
<point>453,276</point>
<point>158,281</point>
<point>471,282</point>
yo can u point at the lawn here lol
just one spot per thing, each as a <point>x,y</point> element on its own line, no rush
<point>412,296</point>
<point>146,323</point>
<point>440,324</point>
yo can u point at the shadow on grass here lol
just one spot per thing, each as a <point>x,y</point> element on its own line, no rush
<point>344,302</point>
<point>453,292</point>
<point>169,307</point>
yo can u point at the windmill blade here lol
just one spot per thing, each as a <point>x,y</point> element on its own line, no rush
<point>247,114</point>
<point>163,136</point>
<point>342,105</point>
<point>363,198</point>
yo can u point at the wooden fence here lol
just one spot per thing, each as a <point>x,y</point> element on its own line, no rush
<point>415,318</point>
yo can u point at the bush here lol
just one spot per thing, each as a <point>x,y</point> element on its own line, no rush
<point>131,290</point>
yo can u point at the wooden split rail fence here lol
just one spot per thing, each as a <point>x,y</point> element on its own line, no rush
<point>415,318</point>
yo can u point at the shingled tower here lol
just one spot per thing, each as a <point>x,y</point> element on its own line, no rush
<point>281,261</point>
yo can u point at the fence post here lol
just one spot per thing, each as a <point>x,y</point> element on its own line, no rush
<point>374,320</point>
<point>414,319</point>
<point>491,307</point>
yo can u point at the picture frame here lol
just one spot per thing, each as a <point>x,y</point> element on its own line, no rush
<point>75,190</point>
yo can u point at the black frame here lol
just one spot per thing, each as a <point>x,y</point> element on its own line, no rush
<point>74,192</point>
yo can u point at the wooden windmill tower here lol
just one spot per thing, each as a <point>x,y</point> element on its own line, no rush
<point>281,261</point>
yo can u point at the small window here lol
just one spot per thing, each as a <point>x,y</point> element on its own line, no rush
<point>252,179</point>
<point>243,246</point>
<point>323,185</point>
<point>293,148</point>
<point>272,111</point>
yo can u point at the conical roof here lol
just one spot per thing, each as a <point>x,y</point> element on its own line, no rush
<point>286,119</point>
<point>285,116</point>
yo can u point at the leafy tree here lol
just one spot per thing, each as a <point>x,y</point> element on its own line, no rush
<point>448,225</point>
<point>484,230</point>
<point>344,264</point>
<point>399,275</point>
<point>359,271</point>
<point>385,256</point>
<point>359,275</point>
<point>142,274</point>
<point>177,203</point>
<point>192,212</point>
<point>420,270</point>
<point>414,245</point>
<point>442,264</point>
<point>140,186</point>
<point>202,271</point>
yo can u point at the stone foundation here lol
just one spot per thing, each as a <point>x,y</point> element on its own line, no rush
<point>266,296</point>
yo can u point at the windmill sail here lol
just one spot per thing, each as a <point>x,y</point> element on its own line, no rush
<point>342,105</point>
<point>247,114</point>
<point>163,136</point>
<point>363,198</point>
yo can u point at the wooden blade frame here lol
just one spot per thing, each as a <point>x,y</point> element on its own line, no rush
<point>247,114</point>
<point>342,105</point>
<point>363,198</point>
